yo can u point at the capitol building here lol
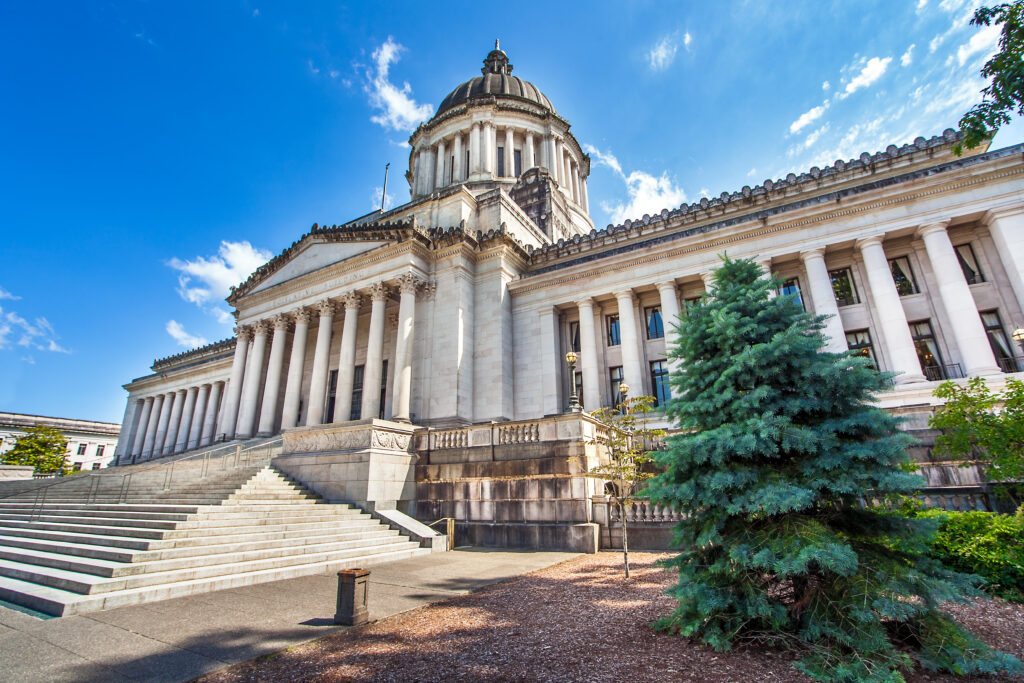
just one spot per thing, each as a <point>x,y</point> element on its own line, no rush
<point>414,358</point>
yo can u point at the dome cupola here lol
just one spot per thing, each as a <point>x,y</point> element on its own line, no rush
<point>497,81</point>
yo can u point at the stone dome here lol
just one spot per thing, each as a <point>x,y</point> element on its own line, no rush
<point>497,80</point>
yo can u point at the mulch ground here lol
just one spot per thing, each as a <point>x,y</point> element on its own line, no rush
<point>576,621</point>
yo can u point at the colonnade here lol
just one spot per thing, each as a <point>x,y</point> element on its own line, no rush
<point>175,421</point>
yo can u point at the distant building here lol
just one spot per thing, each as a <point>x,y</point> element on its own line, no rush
<point>90,444</point>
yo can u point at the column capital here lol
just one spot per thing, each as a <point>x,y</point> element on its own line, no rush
<point>181,392</point>
<point>873,240</point>
<point>243,332</point>
<point>326,308</point>
<point>260,328</point>
<point>816,253</point>
<point>281,321</point>
<point>669,285</point>
<point>624,294</point>
<point>993,215</point>
<point>302,315</point>
<point>930,228</point>
<point>408,283</point>
<point>351,300</point>
<point>379,291</point>
<point>585,302</point>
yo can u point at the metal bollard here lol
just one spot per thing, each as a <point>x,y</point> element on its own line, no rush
<point>353,588</point>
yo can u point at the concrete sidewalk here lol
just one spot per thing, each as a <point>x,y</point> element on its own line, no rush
<point>177,640</point>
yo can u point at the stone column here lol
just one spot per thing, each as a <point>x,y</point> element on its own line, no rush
<point>157,429</point>
<point>229,418</point>
<point>889,311</point>
<point>347,358</point>
<point>407,286</point>
<point>321,361</point>
<point>528,153</point>
<point>187,411</point>
<point>457,171</point>
<point>588,356</point>
<point>296,364</point>
<point>428,185</point>
<point>143,429</point>
<point>1007,230</point>
<point>171,435</point>
<point>251,386</point>
<point>670,319</point>
<point>550,363</point>
<point>586,198</point>
<point>442,153</point>
<point>510,154</point>
<point>273,385</point>
<point>374,352</point>
<point>487,148</point>
<point>196,433</point>
<point>557,169</point>
<point>632,372</point>
<point>824,299</point>
<point>971,339</point>
<point>210,421</point>
<point>567,171</point>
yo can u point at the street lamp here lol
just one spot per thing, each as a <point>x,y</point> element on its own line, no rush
<point>574,400</point>
<point>623,390</point>
<point>1018,336</point>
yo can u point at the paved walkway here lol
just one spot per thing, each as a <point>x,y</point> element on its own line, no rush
<point>177,640</point>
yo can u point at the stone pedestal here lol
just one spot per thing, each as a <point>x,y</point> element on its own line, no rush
<point>353,597</point>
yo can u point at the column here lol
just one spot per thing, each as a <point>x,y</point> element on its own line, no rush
<point>210,421</point>
<point>586,198</point>
<point>551,363</point>
<point>528,153</point>
<point>670,318</point>
<point>428,170</point>
<point>975,351</point>
<point>229,418</point>
<point>566,169</point>
<point>630,339</point>
<point>457,170</point>
<point>510,154</point>
<point>251,386</point>
<point>181,442</point>
<point>575,182</point>
<point>407,286</point>
<point>321,361</point>
<point>273,385</point>
<point>485,154</point>
<point>142,429</point>
<point>196,432</point>
<point>556,160</point>
<point>824,299</point>
<point>442,154</point>
<point>1007,230</point>
<point>888,309</point>
<point>296,364</point>
<point>171,433</point>
<point>157,428</point>
<point>347,358</point>
<point>374,352</point>
<point>588,356</point>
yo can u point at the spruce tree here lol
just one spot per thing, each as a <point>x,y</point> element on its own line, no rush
<point>779,448</point>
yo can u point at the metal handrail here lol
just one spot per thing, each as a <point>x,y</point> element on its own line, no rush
<point>449,530</point>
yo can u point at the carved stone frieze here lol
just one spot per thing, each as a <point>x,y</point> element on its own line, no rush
<point>392,441</point>
<point>329,439</point>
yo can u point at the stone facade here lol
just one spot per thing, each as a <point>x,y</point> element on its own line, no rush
<point>451,314</point>
<point>91,445</point>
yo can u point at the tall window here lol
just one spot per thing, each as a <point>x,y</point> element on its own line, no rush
<point>81,449</point>
<point>842,287</point>
<point>95,465</point>
<point>574,336</point>
<point>655,325</point>
<point>465,160</point>
<point>997,339</point>
<point>501,162</point>
<point>99,450</point>
<point>332,396</point>
<point>578,379</point>
<point>615,376</point>
<point>903,276</point>
<point>659,382</point>
<point>928,351</point>
<point>357,393</point>
<point>614,338</point>
<point>792,286</point>
<point>383,388</point>
<point>519,162</point>
<point>859,341</point>
<point>451,169</point>
<point>969,264</point>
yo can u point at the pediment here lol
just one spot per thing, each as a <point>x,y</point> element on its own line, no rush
<point>314,257</point>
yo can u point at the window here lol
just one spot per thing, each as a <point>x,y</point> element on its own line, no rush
<point>792,287</point>
<point>614,339</point>
<point>615,375</point>
<point>357,393</point>
<point>99,450</point>
<point>95,465</point>
<point>574,336</point>
<point>77,467</point>
<point>692,301</point>
<point>1001,347</point>
<point>928,352</point>
<point>659,382</point>
<point>383,388</point>
<point>451,169</point>
<point>332,395</point>
<point>842,287</point>
<point>655,325</point>
<point>81,449</point>
<point>903,276</point>
<point>501,162</point>
<point>518,163</point>
<point>465,160</point>
<point>579,386</point>
<point>969,264</point>
<point>859,341</point>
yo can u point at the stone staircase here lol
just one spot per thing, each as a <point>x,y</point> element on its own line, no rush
<point>90,543</point>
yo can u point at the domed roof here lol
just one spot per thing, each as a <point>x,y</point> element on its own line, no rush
<point>497,79</point>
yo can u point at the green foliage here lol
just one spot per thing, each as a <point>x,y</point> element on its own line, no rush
<point>779,443</point>
<point>1005,93</point>
<point>41,447</point>
<point>981,424</point>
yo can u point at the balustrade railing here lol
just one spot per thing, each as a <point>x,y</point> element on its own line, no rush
<point>935,373</point>
<point>519,433</point>
<point>1011,364</point>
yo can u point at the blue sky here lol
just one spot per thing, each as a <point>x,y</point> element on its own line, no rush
<point>154,153</point>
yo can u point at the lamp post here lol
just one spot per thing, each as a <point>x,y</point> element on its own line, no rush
<point>624,392</point>
<point>574,399</point>
<point>1018,336</point>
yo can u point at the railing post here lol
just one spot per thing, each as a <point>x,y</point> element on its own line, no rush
<point>450,528</point>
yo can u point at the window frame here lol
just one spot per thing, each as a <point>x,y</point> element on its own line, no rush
<point>844,301</point>
<point>358,376</point>
<point>909,276</point>
<point>860,347</point>
<point>781,291</point>
<point>650,311</point>
<point>614,382</point>
<point>613,328</point>
<point>660,382</point>
<point>979,274</point>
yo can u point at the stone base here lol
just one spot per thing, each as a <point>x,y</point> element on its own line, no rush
<point>577,538</point>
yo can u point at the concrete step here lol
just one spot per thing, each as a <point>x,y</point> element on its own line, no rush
<point>267,534</point>
<point>101,530</point>
<point>86,550</point>
<point>183,509</point>
<point>79,538</point>
<point>199,534</point>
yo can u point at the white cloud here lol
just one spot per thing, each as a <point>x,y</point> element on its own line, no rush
<point>664,52</point>
<point>826,86</point>
<point>647,193</point>
<point>813,137</point>
<point>873,70</point>
<point>807,118</point>
<point>38,334</point>
<point>921,4</point>
<point>389,201</point>
<point>4,294</point>
<point>183,338</point>
<point>704,193</point>
<point>983,41</point>
<point>399,111</point>
<point>687,39</point>
<point>605,159</point>
<point>751,173</point>
<point>205,281</point>
<point>312,69</point>
<point>908,57</point>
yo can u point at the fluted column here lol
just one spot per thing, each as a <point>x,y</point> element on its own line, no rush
<point>1007,230</point>
<point>889,311</point>
<point>272,387</point>
<point>157,426</point>
<point>588,356</point>
<point>143,428</point>
<point>171,435</point>
<point>630,344</point>
<point>210,421</point>
<point>229,419</point>
<point>374,352</point>
<point>321,361</point>
<point>196,433</point>
<point>529,153</point>
<point>971,339</point>
<point>670,319</point>
<point>458,173</point>
<point>557,170</point>
<point>407,286</point>
<point>583,191</point>
<point>510,154</point>
<point>185,426</point>
<point>296,364</point>
<point>824,299</point>
<point>428,170</point>
<point>347,358</point>
<point>487,148</point>
<point>442,154</point>
<point>251,385</point>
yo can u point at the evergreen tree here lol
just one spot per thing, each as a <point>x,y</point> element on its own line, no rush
<point>779,445</point>
<point>42,447</point>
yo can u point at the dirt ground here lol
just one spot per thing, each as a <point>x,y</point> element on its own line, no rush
<point>575,621</point>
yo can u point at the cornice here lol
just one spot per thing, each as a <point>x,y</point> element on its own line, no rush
<point>203,352</point>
